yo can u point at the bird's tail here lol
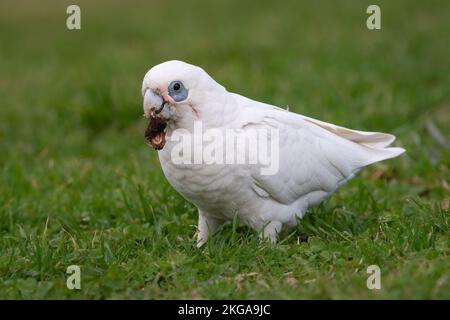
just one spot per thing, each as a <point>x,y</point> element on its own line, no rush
<point>379,154</point>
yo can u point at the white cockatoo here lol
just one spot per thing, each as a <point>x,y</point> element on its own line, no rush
<point>313,158</point>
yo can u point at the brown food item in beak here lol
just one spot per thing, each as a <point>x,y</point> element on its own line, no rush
<point>155,134</point>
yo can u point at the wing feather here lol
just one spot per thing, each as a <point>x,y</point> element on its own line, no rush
<point>315,157</point>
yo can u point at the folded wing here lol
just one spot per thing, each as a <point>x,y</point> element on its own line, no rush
<point>315,157</point>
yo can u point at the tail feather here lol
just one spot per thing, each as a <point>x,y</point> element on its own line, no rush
<point>372,155</point>
<point>387,153</point>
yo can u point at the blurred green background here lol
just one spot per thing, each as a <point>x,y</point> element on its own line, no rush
<point>78,185</point>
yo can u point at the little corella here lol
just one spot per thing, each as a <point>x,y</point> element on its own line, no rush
<point>235,157</point>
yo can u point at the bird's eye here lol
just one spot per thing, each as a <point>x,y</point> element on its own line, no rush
<point>177,91</point>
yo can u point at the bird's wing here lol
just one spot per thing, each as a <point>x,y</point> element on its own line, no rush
<point>370,139</point>
<point>315,157</point>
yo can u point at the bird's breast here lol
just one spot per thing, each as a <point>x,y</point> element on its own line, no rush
<point>211,187</point>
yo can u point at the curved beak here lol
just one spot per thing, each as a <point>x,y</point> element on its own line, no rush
<point>153,103</point>
<point>163,104</point>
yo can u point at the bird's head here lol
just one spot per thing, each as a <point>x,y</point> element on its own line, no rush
<point>174,89</point>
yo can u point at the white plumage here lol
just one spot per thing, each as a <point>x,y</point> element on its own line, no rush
<point>315,157</point>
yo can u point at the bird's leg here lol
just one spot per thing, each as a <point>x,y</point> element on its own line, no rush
<point>206,225</point>
<point>269,231</point>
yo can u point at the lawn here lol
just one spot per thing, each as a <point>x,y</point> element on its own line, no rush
<point>79,186</point>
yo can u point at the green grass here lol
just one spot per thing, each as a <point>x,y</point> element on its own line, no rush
<point>78,185</point>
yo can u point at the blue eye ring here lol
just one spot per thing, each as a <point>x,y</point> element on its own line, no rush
<point>177,91</point>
